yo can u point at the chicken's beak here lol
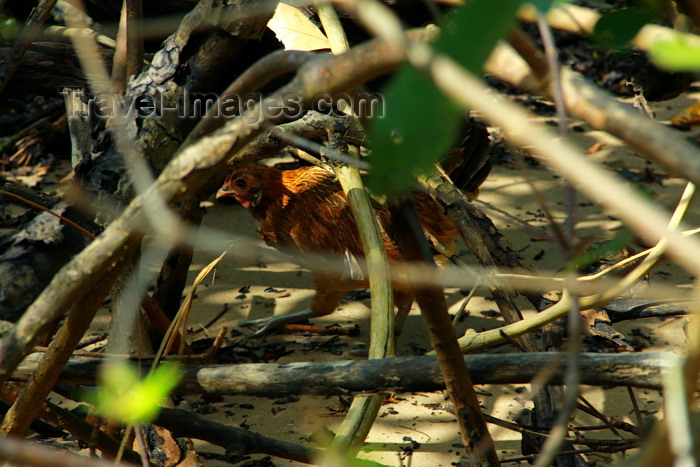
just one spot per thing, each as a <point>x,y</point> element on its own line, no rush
<point>223,192</point>
<point>246,202</point>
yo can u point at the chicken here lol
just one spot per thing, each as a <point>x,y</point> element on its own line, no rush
<point>305,210</point>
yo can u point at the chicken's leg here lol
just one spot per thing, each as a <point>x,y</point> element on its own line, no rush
<point>329,289</point>
<point>403,300</point>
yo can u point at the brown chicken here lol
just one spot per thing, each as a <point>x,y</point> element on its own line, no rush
<point>305,210</point>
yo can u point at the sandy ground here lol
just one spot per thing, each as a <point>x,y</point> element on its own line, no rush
<point>418,423</point>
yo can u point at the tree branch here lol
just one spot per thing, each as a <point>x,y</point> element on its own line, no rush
<point>400,374</point>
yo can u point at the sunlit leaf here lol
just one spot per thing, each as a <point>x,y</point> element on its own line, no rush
<point>680,54</point>
<point>617,28</point>
<point>125,397</point>
<point>295,30</point>
<point>419,124</point>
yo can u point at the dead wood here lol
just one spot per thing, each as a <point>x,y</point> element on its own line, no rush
<point>41,427</point>
<point>31,256</point>
<point>45,69</point>
<point>20,452</point>
<point>626,309</point>
<point>199,58</point>
<point>479,445</point>
<point>37,251</point>
<point>160,159</point>
<point>238,442</point>
<point>594,106</point>
<point>401,374</point>
<point>128,56</point>
<point>18,194</point>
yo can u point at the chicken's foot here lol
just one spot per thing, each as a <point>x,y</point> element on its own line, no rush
<point>275,322</point>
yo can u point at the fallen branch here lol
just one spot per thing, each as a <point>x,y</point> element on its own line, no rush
<point>402,374</point>
<point>238,442</point>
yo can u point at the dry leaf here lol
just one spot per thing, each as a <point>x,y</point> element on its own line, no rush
<point>690,116</point>
<point>598,324</point>
<point>295,30</point>
<point>29,176</point>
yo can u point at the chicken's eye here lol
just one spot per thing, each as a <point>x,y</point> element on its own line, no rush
<point>240,183</point>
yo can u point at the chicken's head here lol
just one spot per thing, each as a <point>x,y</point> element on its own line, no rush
<point>242,186</point>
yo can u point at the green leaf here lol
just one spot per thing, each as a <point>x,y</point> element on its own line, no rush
<point>473,30</point>
<point>419,126</point>
<point>419,123</point>
<point>9,28</point>
<point>680,54</point>
<point>545,5</point>
<point>617,28</point>
<point>125,397</point>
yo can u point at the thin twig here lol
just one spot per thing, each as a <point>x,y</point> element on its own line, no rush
<point>589,409</point>
<point>39,207</point>
<point>635,406</point>
<point>211,353</point>
<point>551,54</point>
<point>610,422</point>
